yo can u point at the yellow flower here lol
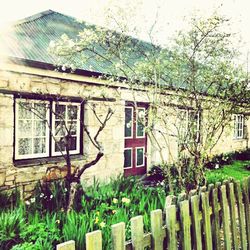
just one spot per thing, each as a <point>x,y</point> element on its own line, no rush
<point>102,224</point>
<point>115,200</point>
<point>113,211</point>
<point>97,212</point>
<point>57,221</point>
<point>125,200</point>
<point>96,220</point>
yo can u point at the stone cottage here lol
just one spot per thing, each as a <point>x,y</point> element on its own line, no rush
<point>28,151</point>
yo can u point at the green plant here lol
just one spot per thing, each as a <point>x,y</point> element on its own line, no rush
<point>10,227</point>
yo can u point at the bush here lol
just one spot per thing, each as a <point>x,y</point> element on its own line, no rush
<point>213,177</point>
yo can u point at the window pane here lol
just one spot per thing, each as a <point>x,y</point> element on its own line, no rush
<point>139,156</point>
<point>60,112</point>
<point>39,128</point>
<point>60,128</point>
<point>140,122</point>
<point>128,122</point>
<point>72,127</point>
<point>39,145</point>
<point>25,146</point>
<point>59,145</point>
<point>72,144</point>
<point>40,110</point>
<point>127,158</point>
<point>24,110</point>
<point>25,128</point>
<point>72,112</point>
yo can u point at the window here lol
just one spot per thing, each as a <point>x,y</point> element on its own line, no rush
<point>32,132</point>
<point>66,120</point>
<point>128,122</point>
<point>238,126</point>
<point>140,131</point>
<point>140,156</point>
<point>41,128</point>
<point>128,158</point>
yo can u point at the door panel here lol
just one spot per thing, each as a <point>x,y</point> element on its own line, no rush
<point>135,145</point>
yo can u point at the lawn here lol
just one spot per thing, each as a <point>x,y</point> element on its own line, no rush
<point>236,170</point>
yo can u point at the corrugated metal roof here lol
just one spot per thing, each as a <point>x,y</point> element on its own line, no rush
<point>29,39</point>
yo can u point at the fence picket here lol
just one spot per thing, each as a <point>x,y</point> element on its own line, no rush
<point>171,227</point>
<point>94,240</point>
<point>206,220</point>
<point>68,245</point>
<point>225,217</point>
<point>118,236</point>
<point>137,232</point>
<point>231,201</point>
<point>245,189</point>
<point>196,222</point>
<point>240,205</point>
<point>185,225</point>
<point>156,229</point>
<point>215,219</point>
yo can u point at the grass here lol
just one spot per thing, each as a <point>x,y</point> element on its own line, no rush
<point>236,170</point>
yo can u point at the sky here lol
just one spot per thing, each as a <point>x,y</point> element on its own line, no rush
<point>140,13</point>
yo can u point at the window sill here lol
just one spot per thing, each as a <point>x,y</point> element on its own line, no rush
<point>42,161</point>
<point>239,139</point>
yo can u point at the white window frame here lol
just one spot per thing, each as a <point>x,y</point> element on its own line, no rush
<point>131,158</point>
<point>29,156</point>
<point>238,130</point>
<point>143,163</point>
<point>137,114</point>
<point>132,122</point>
<point>78,132</point>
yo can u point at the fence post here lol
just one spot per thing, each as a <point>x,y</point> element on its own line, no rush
<point>118,236</point>
<point>185,225</point>
<point>69,245</point>
<point>156,229</point>
<point>232,202</point>
<point>206,220</point>
<point>94,240</point>
<point>245,189</point>
<point>137,233</point>
<point>240,205</point>
<point>225,217</point>
<point>171,227</point>
<point>196,222</point>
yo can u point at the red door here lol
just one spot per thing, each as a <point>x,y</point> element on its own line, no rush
<point>135,161</point>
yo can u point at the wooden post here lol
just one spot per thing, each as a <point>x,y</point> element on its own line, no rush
<point>225,218</point>
<point>185,225</point>
<point>245,189</point>
<point>118,236</point>
<point>232,202</point>
<point>137,233</point>
<point>171,227</point>
<point>215,219</point>
<point>206,220</point>
<point>69,245</point>
<point>240,205</point>
<point>94,240</point>
<point>156,229</point>
<point>196,222</point>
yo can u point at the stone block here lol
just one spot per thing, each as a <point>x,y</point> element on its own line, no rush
<point>9,183</point>
<point>6,136</point>
<point>6,154</point>
<point>2,177</point>
<point>30,187</point>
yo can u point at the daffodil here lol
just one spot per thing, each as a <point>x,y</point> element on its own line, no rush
<point>115,200</point>
<point>96,220</point>
<point>125,200</point>
<point>114,211</point>
<point>102,224</point>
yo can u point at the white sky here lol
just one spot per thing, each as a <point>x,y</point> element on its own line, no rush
<point>142,12</point>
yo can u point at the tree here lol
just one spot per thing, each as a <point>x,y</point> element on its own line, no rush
<point>193,86</point>
<point>63,132</point>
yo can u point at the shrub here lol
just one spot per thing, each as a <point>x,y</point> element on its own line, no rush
<point>213,177</point>
<point>10,227</point>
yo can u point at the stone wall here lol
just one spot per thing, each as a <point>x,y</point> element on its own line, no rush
<point>21,79</point>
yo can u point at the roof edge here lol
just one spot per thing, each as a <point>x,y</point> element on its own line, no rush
<point>34,17</point>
